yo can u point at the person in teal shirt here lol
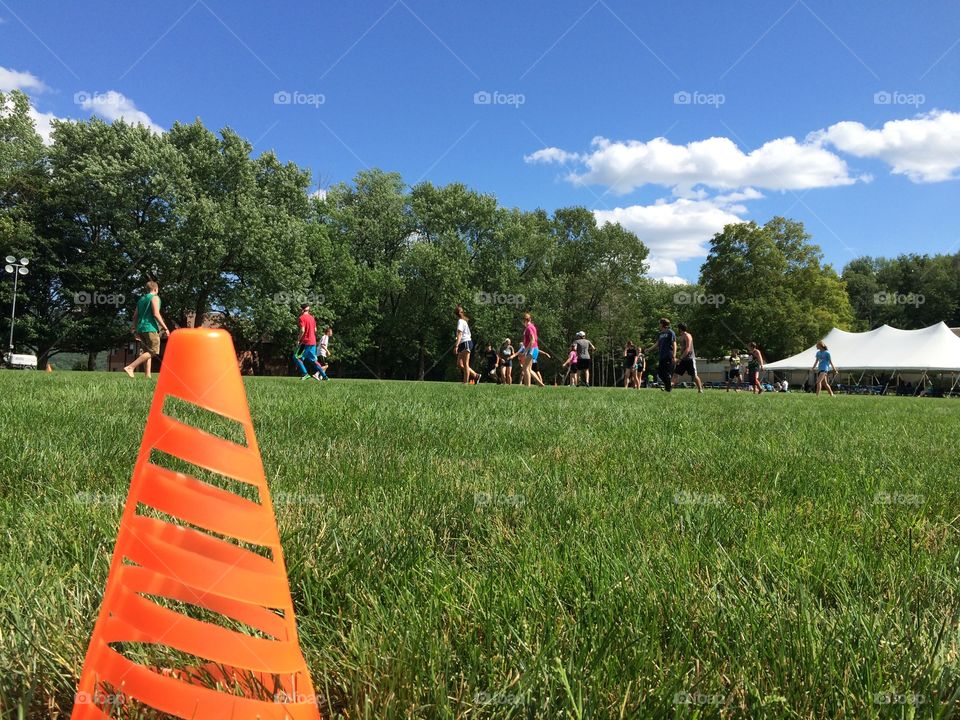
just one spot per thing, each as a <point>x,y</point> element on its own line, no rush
<point>146,326</point>
<point>823,364</point>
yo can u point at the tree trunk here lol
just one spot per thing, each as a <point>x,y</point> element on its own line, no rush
<point>199,311</point>
<point>422,363</point>
<point>92,360</point>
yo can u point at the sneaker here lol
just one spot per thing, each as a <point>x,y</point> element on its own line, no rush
<point>304,377</point>
<point>316,376</point>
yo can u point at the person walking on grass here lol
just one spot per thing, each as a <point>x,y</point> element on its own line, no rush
<point>630,366</point>
<point>463,345</point>
<point>506,362</point>
<point>530,350</point>
<point>493,364</point>
<point>324,351</point>
<point>734,373</point>
<point>571,365</point>
<point>146,326</point>
<point>823,364</point>
<point>535,368</point>
<point>644,368</point>
<point>307,346</point>
<point>584,347</point>
<point>754,368</point>
<point>666,346</point>
<point>688,359</point>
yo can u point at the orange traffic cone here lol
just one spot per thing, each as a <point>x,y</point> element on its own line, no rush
<point>49,367</point>
<point>243,675</point>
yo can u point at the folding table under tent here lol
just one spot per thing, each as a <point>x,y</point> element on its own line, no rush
<point>887,350</point>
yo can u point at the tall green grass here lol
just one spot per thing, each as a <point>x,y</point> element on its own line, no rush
<point>498,552</point>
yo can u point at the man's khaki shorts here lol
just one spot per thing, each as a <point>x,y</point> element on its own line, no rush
<point>150,342</point>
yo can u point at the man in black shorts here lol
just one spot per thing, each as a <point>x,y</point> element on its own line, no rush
<point>688,361</point>
<point>666,346</point>
<point>583,348</point>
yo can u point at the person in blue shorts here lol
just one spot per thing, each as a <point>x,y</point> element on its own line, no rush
<point>823,364</point>
<point>307,350</point>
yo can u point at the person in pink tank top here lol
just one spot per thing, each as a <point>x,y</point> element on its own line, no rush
<point>531,349</point>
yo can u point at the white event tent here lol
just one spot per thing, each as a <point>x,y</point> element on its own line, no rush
<point>934,349</point>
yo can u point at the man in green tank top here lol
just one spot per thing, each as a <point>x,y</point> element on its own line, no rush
<point>147,324</point>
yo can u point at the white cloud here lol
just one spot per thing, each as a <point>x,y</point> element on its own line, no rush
<point>43,123</point>
<point>112,105</point>
<point>551,154</point>
<point>319,193</point>
<point>678,230</point>
<point>717,162</point>
<point>17,80</point>
<point>925,148</point>
<point>674,280</point>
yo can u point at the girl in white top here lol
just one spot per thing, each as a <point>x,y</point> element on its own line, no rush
<point>463,345</point>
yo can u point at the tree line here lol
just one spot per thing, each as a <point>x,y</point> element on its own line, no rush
<point>238,238</point>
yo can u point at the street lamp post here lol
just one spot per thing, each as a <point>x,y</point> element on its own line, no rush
<point>16,269</point>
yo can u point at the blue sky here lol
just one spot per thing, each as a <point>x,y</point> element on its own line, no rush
<point>671,118</point>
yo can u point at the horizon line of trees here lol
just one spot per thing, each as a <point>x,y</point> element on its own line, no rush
<point>104,207</point>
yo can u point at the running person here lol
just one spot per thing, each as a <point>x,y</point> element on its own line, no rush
<point>735,372</point>
<point>754,368</point>
<point>823,364</point>
<point>463,345</point>
<point>584,347</point>
<point>688,359</point>
<point>666,346</point>
<point>506,362</point>
<point>146,326</point>
<point>307,350</point>
<point>630,365</point>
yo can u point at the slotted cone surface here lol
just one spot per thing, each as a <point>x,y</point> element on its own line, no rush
<point>258,677</point>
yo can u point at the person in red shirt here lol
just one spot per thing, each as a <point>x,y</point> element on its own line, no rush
<point>307,352</point>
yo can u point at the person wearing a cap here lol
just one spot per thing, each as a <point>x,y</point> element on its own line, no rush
<point>584,348</point>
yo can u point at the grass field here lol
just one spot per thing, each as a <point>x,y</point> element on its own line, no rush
<point>477,552</point>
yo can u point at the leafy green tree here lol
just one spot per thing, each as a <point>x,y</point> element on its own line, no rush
<point>774,289</point>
